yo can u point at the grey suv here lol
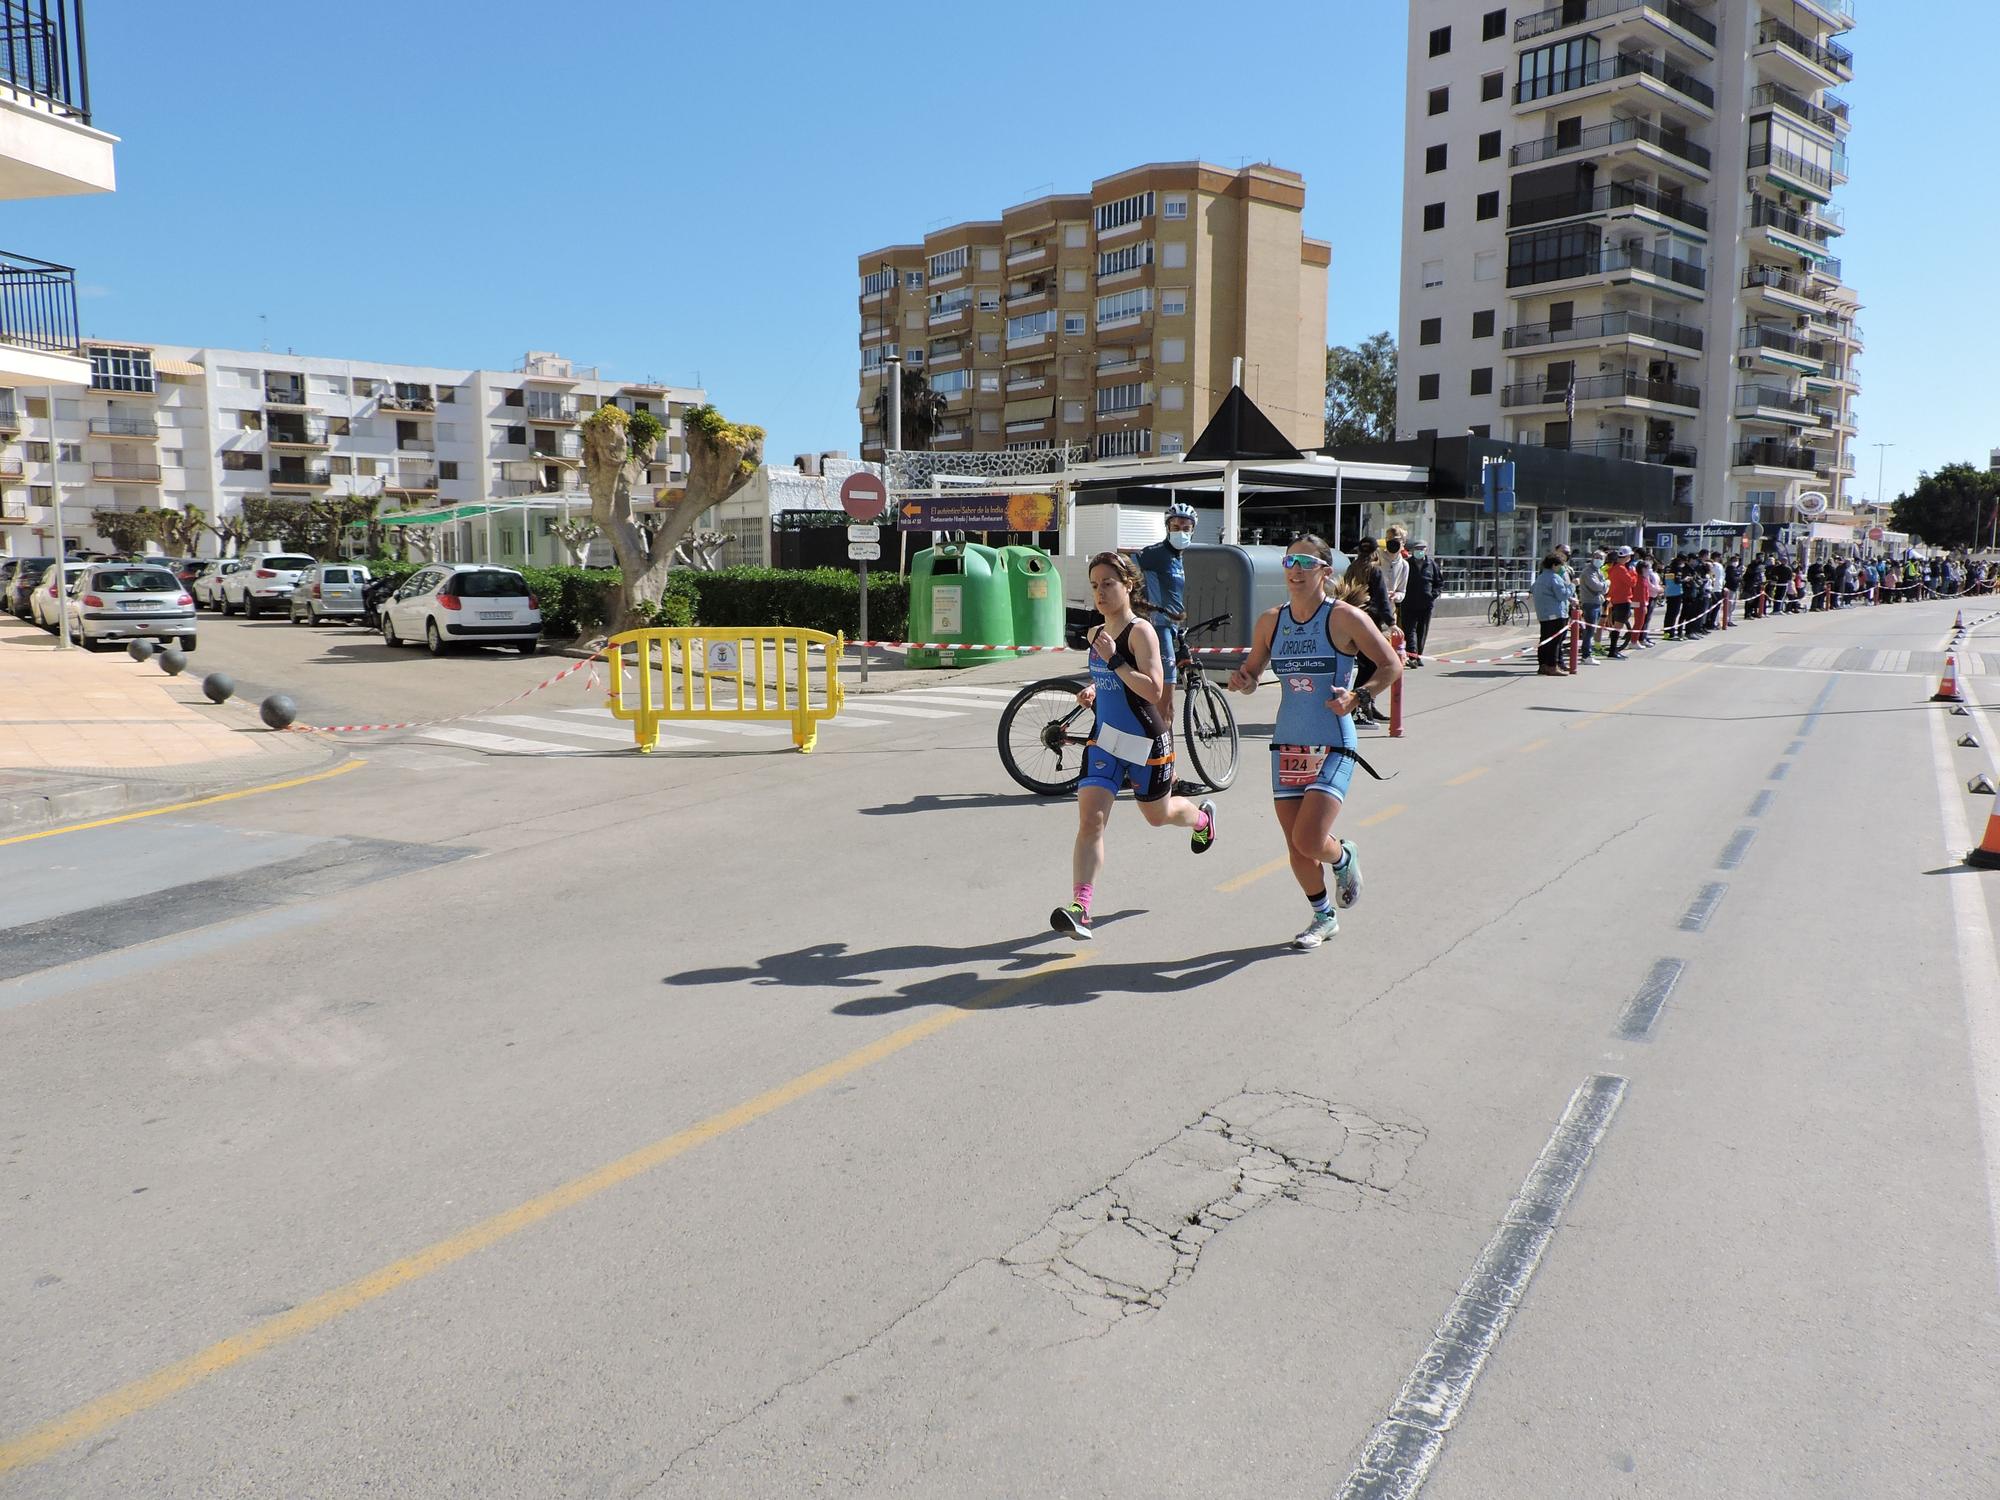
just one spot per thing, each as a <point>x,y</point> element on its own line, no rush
<point>328,591</point>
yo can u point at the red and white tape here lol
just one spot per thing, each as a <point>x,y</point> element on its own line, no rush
<point>589,683</point>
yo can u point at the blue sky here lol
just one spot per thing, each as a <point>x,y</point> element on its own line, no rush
<point>409,181</point>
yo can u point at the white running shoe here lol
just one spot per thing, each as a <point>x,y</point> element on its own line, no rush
<point>1323,926</point>
<point>1347,877</point>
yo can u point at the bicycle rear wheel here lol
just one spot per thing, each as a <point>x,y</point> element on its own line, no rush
<point>1496,612</point>
<point>1042,735</point>
<point>1210,734</point>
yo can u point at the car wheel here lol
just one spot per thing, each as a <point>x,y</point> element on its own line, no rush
<point>228,609</point>
<point>187,643</point>
<point>389,637</point>
<point>433,642</point>
<point>251,608</point>
<point>528,648</point>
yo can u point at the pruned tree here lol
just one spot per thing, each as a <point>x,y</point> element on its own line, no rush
<point>179,531</point>
<point>422,540</point>
<point>575,534</point>
<point>923,409</point>
<point>125,530</point>
<point>232,533</point>
<point>701,550</point>
<point>617,445</point>
<point>289,522</point>
<point>329,517</point>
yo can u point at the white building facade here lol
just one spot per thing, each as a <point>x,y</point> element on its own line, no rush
<point>495,454</point>
<point>1617,237</point>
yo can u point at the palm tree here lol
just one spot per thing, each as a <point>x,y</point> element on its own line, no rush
<point>922,407</point>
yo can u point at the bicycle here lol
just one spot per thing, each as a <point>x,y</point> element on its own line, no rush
<point>1043,729</point>
<point>1507,607</point>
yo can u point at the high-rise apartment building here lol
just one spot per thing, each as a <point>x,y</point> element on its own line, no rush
<point>1618,236</point>
<point>201,429</point>
<point>1107,318</point>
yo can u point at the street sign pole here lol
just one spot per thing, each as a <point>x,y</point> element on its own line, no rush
<point>863,497</point>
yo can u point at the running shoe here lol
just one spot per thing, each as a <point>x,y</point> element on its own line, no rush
<point>1072,921</point>
<point>1323,926</point>
<point>1347,878</point>
<point>1202,839</point>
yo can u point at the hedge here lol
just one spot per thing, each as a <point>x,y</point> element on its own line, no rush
<point>826,599</point>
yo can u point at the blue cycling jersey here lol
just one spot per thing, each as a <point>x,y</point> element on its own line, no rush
<point>1166,577</point>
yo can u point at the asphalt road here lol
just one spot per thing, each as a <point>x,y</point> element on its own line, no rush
<point>726,1122</point>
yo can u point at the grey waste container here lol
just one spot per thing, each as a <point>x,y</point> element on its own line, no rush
<point>1241,582</point>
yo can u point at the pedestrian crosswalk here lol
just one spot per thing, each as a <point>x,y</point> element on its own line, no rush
<point>591,730</point>
<point>1779,656</point>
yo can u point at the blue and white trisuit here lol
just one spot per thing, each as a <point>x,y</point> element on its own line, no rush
<point>1312,747</point>
<point>1130,745</point>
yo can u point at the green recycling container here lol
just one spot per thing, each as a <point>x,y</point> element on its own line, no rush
<point>959,593</point>
<point>1037,596</point>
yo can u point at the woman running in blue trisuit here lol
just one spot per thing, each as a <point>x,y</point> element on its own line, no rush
<point>1313,644</point>
<point>1131,743</point>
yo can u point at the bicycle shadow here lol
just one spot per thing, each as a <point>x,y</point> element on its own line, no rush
<point>1076,985</point>
<point>925,802</point>
<point>833,965</point>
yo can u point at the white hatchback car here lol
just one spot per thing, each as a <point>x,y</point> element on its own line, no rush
<point>43,606</point>
<point>207,588</point>
<point>265,581</point>
<point>463,604</point>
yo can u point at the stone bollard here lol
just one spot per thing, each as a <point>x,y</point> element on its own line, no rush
<point>218,687</point>
<point>173,661</point>
<point>139,650</point>
<point>278,711</point>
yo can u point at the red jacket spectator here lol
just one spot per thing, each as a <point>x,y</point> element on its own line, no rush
<point>1624,582</point>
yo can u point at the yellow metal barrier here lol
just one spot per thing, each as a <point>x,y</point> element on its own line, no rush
<point>725,672</point>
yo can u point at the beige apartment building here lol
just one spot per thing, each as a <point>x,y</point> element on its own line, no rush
<point>1107,318</point>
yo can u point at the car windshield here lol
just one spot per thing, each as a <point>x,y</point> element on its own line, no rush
<point>135,581</point>
<point>488,585</point>
<point>289,564</point>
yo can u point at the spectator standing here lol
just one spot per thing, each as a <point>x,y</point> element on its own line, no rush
<point>1622,586</point>
<point>1732,589</point>
<point>1553,594</point>
<point>1675,588</point>
<point>1426,582</point>
<point>1718,592</point>
<point>1395,571</point>
<point>1590,591</point>
<point>1364,586</point>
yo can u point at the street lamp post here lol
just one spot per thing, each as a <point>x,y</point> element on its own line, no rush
<point>1879,457</point>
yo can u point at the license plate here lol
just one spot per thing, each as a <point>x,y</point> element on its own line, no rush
<point>496,614</point>
<point>133,604</point>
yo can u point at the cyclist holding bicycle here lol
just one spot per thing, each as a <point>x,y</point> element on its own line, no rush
<point>1166,588</point>
<point>1314,643</point>
<point>1131,744</point>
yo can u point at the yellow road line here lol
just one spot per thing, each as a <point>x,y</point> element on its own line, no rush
<point>1251,877</point>
<point>1625,703</point>
<point>154,812</point>
<point>1473,775</point>
<point>149,1391</point>
<point>1385,815</point>
<point>1532,747</point>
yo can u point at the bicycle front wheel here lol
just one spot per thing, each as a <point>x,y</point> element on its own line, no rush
<point>1042,735</point>
<point>1210,734</point>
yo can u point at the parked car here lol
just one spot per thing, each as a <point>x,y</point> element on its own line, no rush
<point>28,572</point>
<point>463,604</point>
<point>42,604</point>
<point>328,591</point>
<point>373,592</point>
<point>265,581</point>
<point>7,567</point>
<point>126,601</point>
<point>186,569</point>
<point>207,585</point>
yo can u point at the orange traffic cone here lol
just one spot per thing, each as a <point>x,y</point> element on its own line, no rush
<point>1948,684</point>
<point>1958,622</point>
<point>1987,855</point>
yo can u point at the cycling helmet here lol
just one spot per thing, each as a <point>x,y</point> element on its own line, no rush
<point>1180,510</point>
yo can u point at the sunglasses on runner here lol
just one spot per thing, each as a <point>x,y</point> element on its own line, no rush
<point>1303,560</point>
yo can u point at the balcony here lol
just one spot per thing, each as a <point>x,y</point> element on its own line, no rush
<point>1035,383</point>
<point>559,453</point>
<point>1576,12</point>
<point>1670,456</point>
<point>141,429</point>
<point>10,419</point>
<point>1784,347</point>
<point>1610,70</point>
<point>1609,199</point>
<point>416,445</point>
<point>1602,328</point>
<point>413,479</point>
<point>545,408</point>
<point>1777,285</point>
<point>1812,232</point>
<point>405,401</point>
<point>298,435</point>
<point>1790,170</point>
<point>950,312</point>
<point>1776,38</point>
<point>1028,257</point>
<point>13,510</point>
<point>1778,96</point>
<point>301,477</point>
<point>1763,454</point>
<point>11,468</point>
<point>1629,385</point>
<point>1773,404</point>
<point>38,313</point>
<point>112,473</point>
<point>1615,261</point>
<point>1609,136</point>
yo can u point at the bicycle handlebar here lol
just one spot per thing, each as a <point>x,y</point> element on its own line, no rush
<point>1215,624</point>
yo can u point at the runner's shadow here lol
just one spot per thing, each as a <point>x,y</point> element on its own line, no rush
<point>1068,986</point>
<point>826,965</point>
<point>957,802</point>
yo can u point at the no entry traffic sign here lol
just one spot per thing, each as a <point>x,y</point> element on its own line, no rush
<point>863,496</point>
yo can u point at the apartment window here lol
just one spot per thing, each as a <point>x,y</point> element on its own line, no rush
<point>1556,69</point>
<point>38,408</point>
<point>515,397</point>
<point>1482,324</point>
<point>951,382</point>
<point>1073,281</point>
<point>1434,158</point>
<point>448,469</point>
<point>914,359</point>
<point>41,494</point>
<point>1120,306</point>
<point>35,452</point>
<point>989,258</point>
<point>1174,255</point>
<point>1174,206</point>
<point>1433,216</point>
<point>1125,211</point>
<point>1427,387</point>
<point>1173,351</point>
<point>339,465</point>
<point>1439,101</point>
<point>1073,323</point>
<point>515,435</point>
<point>989,380</point>
<point>1173,302</point>
<point>1075,236</point>
<point>366,468</point>
<point>949,262</point>
<point>1030,326</point>
<point>1482,381</point>
<point>363,386</point>
<point>172,458</point>
<point>70,453</point>
<point>1170,442</point>
<point>989,343</point>
<point>241,461</point>
<point>913,319</point>
<point>1488,206</point>
<point>1173,397</point>
<point>1486,266</point>
<point>877,281</point>
<point>1127,258</point>
<point>1489,144</point>
<point>1493,25</point>
<point>1072,412</point>
<point>1492,86</point>
<point>1430,331</point>
<point>1440,41</point>
<point>121,369</point>
<point>1433,273</point>
<point>339,427</point>
<point>1124,444</point>
<point>989,421</point>
<point>913,281</point>
<point>989,299</point>
<point>1481,429</point>
<point>1117,398</point>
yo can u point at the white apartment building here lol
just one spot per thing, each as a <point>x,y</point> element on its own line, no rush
<point>493,457</point>
<point>1617,235</point>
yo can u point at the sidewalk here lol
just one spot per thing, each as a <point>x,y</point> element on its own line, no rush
<point>86,734</point>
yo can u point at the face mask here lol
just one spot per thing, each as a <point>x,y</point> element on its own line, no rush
<point>1179,539</point>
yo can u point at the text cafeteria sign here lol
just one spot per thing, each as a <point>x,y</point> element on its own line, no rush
<point>1033,511</point>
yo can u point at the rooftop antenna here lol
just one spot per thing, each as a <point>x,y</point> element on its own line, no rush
<point>263,333</point>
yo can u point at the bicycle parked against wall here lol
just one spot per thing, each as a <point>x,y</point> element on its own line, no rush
<point>1507,607</point>
<point>1043,730</point>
